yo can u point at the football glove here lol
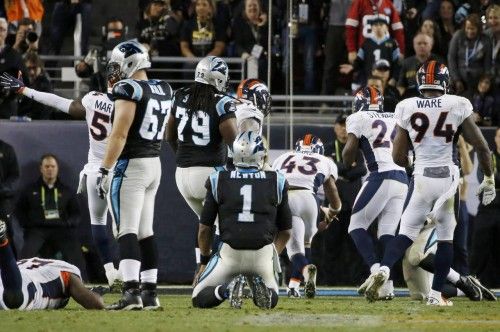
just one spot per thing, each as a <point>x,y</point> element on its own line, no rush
<point>10,83</point>
<point>102,184</point>
<point>487,188</point>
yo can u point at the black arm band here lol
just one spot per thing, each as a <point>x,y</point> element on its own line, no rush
<point>204,259</point>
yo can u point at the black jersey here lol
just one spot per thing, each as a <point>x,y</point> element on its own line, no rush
<point>373,50</point>
<point>252,207</point>
<point>199,140</point>
<point>154,100</point>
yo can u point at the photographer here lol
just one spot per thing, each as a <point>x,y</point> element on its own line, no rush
<point>26,37</point>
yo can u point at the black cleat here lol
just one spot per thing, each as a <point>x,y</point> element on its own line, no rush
<point>261,294</point>
<point>131,300</point>
<point>488,295</point>
<point>470,289</point>
<point>150,300</point>
<point>3,231</point>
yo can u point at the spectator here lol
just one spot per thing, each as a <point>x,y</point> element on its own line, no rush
<point>469,56</point>
<point>379,46</point>
<point>335,47</point>
<point>26,37</point>
<point>358,24</point>
<point>48,212</point>
<point>203,35</point>
<point>493,20</point>
<point>407,83</point>
<point>33,9</point>
<point>485,251</point>
<point>250,37</point>
<point>39,80</point>
<point>429,27</point>
<point>64,18</point>
<point>446,23</point>
<point>483,102</point>
<point>11,62</point>
<point>379,78</point>
<point>159,29</point>
<point>9,176</point>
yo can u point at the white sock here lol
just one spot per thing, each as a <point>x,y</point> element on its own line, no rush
<point>460,293</point>
<point>390,285</point>
<point>216,293</point>
<point>453,276</point>
<point>385,269</point>
<point>435,294</point>
<point>149,276</point>
<point>374,268</point>
<point>111,272</point>
<point>130,269</point>
<point>197,254</point>
<point>294,284</point>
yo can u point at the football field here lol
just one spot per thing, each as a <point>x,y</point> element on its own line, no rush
<point>320,314</point>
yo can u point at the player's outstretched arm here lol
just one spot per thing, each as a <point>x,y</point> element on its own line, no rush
<point>69,106</point>
<point>84,297</point>
<point>472,135</point>
<point>350,152</point>
<point>401,146</point>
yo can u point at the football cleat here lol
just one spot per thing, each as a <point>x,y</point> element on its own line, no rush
<point>441,302</point>
<point>293,293</point>
<point>236,292</point>
<point>3,231</point>
<point>364,286</point>
<point>150,300</point>
<point>131,300</point>
<point>100,290</point>
<point>386,292</point>
<point>488,295</point>
<point>261,294</point>
<point>310,281</point>
<point>379,279</point>
<point>470,289</point>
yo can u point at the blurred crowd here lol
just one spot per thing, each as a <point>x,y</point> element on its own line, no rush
<point>340,44</point>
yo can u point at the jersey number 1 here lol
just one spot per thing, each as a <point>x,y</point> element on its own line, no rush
<point>246,215</point>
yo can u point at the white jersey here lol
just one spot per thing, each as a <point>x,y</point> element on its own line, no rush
<point>375,132</point>
<point>247,111</point>
<point>44,283</point>
<point>432,124</point>
<point>98,109</point>
<point>306,170</point>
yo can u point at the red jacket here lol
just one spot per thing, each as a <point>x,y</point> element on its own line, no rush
<point>357,25</point>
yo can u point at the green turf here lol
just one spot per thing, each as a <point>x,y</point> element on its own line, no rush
<point>320,314</point>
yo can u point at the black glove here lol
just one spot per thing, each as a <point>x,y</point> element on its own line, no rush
<point>102,183</point>
<point>10,83</point>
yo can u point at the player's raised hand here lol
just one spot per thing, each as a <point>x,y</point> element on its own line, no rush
<point>10,83</point>
<point>102,184</point>
<point>487,188</point>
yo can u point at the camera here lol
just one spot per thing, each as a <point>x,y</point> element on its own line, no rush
<point>31,37</point>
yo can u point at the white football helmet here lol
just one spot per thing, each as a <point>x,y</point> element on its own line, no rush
<point>249,150</point>
<point>214,71</point>
<point>127,58</point>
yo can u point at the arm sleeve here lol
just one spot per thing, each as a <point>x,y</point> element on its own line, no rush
<point>352,27</point>
<point>283,213</point>
<point>127,90</point>
<point>465,109</point>
<point>398,116</point>
<point>210,207</point>
<point>332,169</point>
<point>354,125</point>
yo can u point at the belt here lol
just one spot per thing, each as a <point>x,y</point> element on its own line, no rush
<point>440,172</point>
<point>290,188</point>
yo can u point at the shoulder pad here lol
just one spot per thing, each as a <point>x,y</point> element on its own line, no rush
<point>280,177</point>
<point>127,89</point>
<point>226,105</point>
<point>214,181</point>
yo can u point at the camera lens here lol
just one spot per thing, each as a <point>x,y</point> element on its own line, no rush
<point>31,36</point>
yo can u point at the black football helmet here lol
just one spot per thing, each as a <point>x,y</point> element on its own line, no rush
<point>368,99</point>
<point>257,92</point>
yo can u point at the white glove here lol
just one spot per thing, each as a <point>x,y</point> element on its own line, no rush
<point>487,187</point>
<point>102,183</point>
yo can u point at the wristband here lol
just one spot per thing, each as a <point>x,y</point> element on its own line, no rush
<point>204,259</point>
<point>335,210</point>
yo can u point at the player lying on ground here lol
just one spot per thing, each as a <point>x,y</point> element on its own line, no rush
<point>306,169</point>
<point>418,270</point>
<point>383,193</point>
<point>255,223</point>
<point>36,283</point>
<point>96,108</point>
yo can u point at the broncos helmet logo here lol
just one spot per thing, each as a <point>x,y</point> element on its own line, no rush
<point>129,49</point>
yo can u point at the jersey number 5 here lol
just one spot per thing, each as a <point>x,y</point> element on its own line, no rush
<point>98,126</point>
<point>420,123</point>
